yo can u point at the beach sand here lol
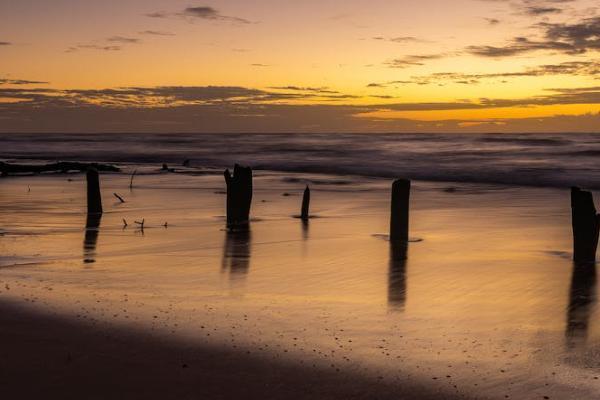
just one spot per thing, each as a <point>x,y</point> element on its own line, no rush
<point>487,303</point>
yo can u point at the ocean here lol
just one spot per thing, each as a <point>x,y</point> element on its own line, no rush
<point>546,160</point>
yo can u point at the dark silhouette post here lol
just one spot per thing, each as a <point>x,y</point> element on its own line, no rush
<point>586,225</point>
<point>94,199</point>
<point>239,196</point>
<point>305,204</point>
<point>399,212</point>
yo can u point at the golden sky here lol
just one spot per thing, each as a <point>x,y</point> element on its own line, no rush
<point>329,65</point>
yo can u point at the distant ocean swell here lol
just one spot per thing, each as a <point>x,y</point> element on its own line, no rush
<point>554,160</point>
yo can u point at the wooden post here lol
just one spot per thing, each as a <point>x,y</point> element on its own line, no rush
<point>239,196</point>
<point>305,204</point>
<point>586,225</point>
<point>399,211</point>
<point>94,198</point>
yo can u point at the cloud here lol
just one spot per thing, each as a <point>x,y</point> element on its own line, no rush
<point>577,38</point>
<point>324,90</point>
<point>161,96</point>
<point>211,14</point>
<point>492,21</point>
<point>5,43</point>
<point>413,60</point>
<point>123,40</point>
<point>535,11</point>
<point>573,68</point>
<point>93,47</point>
<point>6,81</point>
<point>112,43</point>
<point>156,33</point>
<point>200,12</point>
<point>239,109</point>
<point>157,14</point>
<point>399,39</point>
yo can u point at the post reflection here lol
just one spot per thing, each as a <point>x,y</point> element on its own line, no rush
<point>397,275</point>
<point>582,297</point>
<point>92,228</point>
<point>305,230</point>
<point>236,252</point>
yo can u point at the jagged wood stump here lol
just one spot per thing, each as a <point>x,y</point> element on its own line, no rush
<point>305,204</point>
<point>399,211</point>
<point>586,225</point>
<point>239,196</point>
<point>94,199</point>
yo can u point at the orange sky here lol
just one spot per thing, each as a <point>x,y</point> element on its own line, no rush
<point>461,65</point>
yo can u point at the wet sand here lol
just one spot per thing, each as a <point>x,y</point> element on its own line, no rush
<point>486,305</point>
<point>49,356</point>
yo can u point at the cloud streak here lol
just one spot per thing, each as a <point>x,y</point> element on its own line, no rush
<point>6,81</point>
<point>577,38</point>
<point>200,13</point>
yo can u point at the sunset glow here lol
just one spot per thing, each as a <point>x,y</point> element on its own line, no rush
<point>347,66</point>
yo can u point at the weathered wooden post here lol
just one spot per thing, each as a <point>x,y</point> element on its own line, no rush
<point>94,198</point>
<point>586,225</point>
<point>305,204</point>
<point>239,196</point>
<point>399,211</point>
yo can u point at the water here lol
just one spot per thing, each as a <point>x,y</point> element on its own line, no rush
<point>547,160</point>
<point>488,304</point>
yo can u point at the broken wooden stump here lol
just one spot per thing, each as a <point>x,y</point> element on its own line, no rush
<point>239,196</point>
<point>586,225</point>
<point>305,204</point>
<point>94,198</point>
<point>399,210</point>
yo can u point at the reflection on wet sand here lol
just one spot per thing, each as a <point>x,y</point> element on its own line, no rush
<point>582,298</point>
<point>305,230</point>
<point>397,275</point>
<point>236,252</point>
<point>92,227</point>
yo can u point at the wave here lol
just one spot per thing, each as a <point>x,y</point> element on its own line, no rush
<point>556,160</point>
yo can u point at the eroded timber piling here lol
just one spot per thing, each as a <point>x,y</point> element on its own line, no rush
<point>399,211</point>
<point>94,199</point>
<point>239,196</point>
<point>305,204</point>
<point>586,225</point>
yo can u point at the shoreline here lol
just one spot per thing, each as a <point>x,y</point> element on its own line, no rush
<point>488,302</point>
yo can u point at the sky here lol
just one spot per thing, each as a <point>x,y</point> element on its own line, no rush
<point>302,66</point>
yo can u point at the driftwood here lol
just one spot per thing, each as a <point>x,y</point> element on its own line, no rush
<point>7,169</point>
<point>119,197</point>
<point>399,212</point>
<point>586,225</point>
<point>131,179</point>
<point>94,198</point>
<point>305,204</point>
<point>239,196</point>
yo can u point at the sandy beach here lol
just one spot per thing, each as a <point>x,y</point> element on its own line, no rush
<point>487,303</point>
